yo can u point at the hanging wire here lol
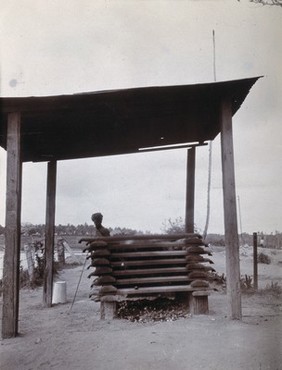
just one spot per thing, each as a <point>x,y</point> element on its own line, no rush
<point>210,151</point>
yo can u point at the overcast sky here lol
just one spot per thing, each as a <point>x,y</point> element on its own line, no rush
<point>56,47</point>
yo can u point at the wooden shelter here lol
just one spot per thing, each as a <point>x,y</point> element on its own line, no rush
<point>109,123</point>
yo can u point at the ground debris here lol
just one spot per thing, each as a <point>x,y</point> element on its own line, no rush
<point>160,309</point>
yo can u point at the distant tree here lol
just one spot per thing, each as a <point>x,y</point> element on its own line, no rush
<point>176,226</point>
<point>29,229</point>
<point>267,2</point>
<point>124,231</point>
<point>215,239</point>
<point>60,229</point>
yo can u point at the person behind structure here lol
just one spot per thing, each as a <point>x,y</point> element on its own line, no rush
<point>97,218</point>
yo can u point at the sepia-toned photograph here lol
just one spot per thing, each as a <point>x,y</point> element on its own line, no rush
<point>140,185</point>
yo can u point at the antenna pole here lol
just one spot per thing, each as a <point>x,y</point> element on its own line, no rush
<point>214,64</point>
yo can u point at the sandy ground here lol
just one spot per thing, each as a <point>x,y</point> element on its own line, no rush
<point>60,338</point>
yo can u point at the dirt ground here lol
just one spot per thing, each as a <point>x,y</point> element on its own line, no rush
<point>60,338</point>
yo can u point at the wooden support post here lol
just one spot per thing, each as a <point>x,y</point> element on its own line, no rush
<point>108,307</point>
<point>190,190</point>
<point>230,213</point>
<point>200,303</point>
<point>49,233</point>
<point>255,257</point>
<point>13,229</point>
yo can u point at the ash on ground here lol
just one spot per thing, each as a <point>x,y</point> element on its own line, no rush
<point>160,309</point>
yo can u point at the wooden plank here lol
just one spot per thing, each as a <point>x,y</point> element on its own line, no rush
<point>49,233</point>
<point>30,262</point>
<point>230,213</point>
<point>173,147</point>
<point>149,254</point>
<point>150,271</point>
<point>200,293</point>
<point>152,280</point>
<point>159,289</point>
<point>150,244</point>
<point>153,262</point>
<point>70,251</point>
<point>11,266</point>
<point>190,190</point>
<point>142,237</point>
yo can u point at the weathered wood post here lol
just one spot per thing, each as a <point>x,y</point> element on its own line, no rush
<point>230,213</point>
<point>255,258</point>
<point>190,190</point>
<point>49,233</point>
<point>61,252</point>
<point>30,262</point>
<point>13,229</point>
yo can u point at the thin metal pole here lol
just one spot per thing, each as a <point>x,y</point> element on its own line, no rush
<point>255,259</point>
<point>214,62</point>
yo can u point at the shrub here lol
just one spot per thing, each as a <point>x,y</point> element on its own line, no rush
<point>272,288</point>
<point>38,279</point>
<point>246,283</point>
<point>215,277</point>
<point>24,279</point>
<point>264,258</point>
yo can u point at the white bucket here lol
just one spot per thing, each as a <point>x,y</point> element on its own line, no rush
<point>59,292</point>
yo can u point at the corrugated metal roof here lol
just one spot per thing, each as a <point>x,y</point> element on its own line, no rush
<point>120,121</point>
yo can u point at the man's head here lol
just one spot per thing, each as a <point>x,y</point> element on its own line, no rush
<point>97,218</point>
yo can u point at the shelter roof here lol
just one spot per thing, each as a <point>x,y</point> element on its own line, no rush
<point>120,121</point>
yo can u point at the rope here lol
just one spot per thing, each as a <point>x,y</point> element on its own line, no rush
<point>210,150</point>
<point>78,285</point>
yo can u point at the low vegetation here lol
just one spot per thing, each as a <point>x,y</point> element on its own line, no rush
<point>272,288</point>
<point>264,258</point>
<point>38,277</point>
<point>246,283</point>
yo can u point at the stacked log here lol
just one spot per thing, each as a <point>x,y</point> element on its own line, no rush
<point>108,277</point>
<point>149,266</point>
<point>103,284</point>
<point>196,265</point>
